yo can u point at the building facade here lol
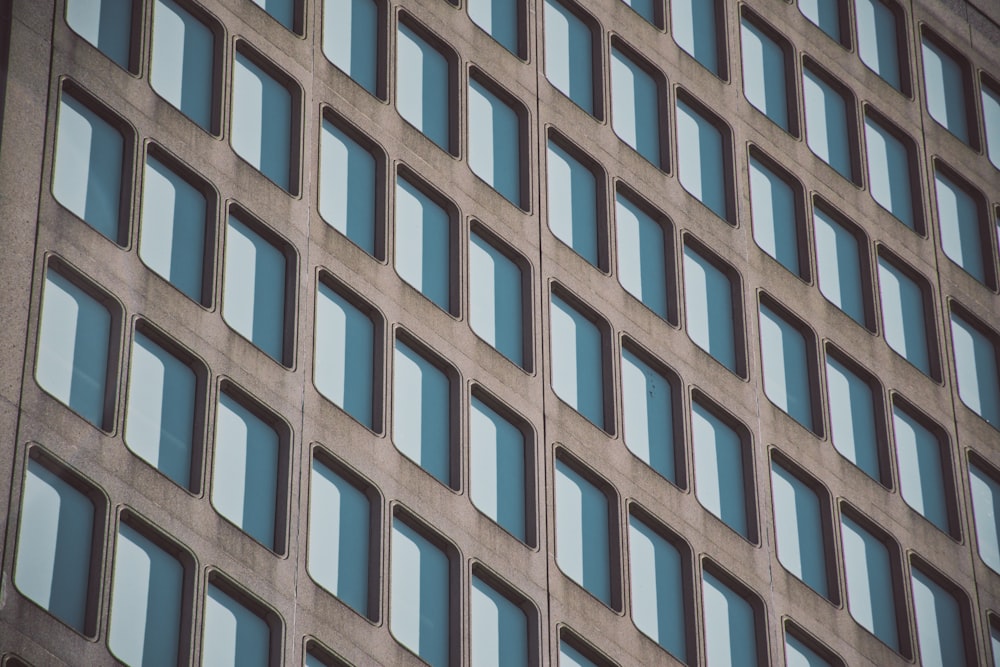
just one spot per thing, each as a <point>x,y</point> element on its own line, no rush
<point>366,332</point>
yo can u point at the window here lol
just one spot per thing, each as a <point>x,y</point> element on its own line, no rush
<point>245,481</point>
<point>494,141</point>
<point>643,246</point>
<point>826,14</point>
<point>496,307</point>
<point>991,120</point>
<point>800,654</point>
<point>994,640</point>
<point>985,492</point>
<point>74,341</point>
<point>940,632</point>
<point>718,469</point>
<point>839,263</point>
<point>351,39</point>
<point>56,557</point>
<point>829,117</point>
<point>853,424</point>
<point>647,9</point>
<point>765,82</point>
<point>174,229</point>
<point>344,355</point>
<point>423,243</point>
<point>960,220</point>
<point>695,29</point>
<point>340,529</point>
<point>798,527</point>
<point>647,415</point>
<point>657,574</point>
<point>107,24</point>
<point>583,546</point>
<point>710,309</point>
<point>317,657</point>
<point>890,176</point>
<point>420,590</point>
<point>498,473</point>
<point>787,362</point>
<point>147,601</point>
<point>904,319</point>
<point>421,414</point>
<point>89,167</point>
<point>774,209</point>
<point>568,55</point>
<point>160,417</point>
<point>264,116</point>
<point>878,40</point>
<point>348,190</point>
<point>730,625</point>
<point>254,289</point>
<point>635,105</point>
<point>283,11</point>
<point>570,656</point>
<point>945,84</point>
<point>572,203</point>
<point>423,82</point>
<point>182,62</point>
<point>576,348</point>
<point>702,158</point>
<point>499,634</point>
<point>871,588</point>
<point>499,18</point>
<point>920,459</point>
<point>234,634</point>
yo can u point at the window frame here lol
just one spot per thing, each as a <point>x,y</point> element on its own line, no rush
<point>915,163</point>
<point>524,133</point>
<point>987,256</point>
<point>853,125</point>
<point>623,190</point>
<point>935,370</point>
<point>597,84</point>
<point>918,563</point>
<point>228,586</point>
<point>479,570</point>
<point>602,226</point>
<point>956,308</point>
<point>803,233</point>
<point>969,99</point>
<point>659,79</point>
<point>788,54</point>
<point>727,148</point>
<point>758,608</point>
<point>866,275</point>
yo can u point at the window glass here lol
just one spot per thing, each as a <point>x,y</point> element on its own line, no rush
<point>499,635</point>
<point>422,86</point>
<point>708,306</point>
<point>497,468</point>
<point>570,657</point>
<point>695,31</point>
<point>904,322</point>
<point>245,477</point>
<point>798,654</point>
<point>718,468</point>
<point>852,417</point>
<point>419,593</point>
<point>657,588</point>
<point>160,413</point>
<point>730,628</point>
<point>878,43</point>
<point>494,142</point>
<point>344,355</point>
<point>701,158</point>
<point>775,215</point>
<point>582,532</point>
<point>572,205</point>
<point>234,635</point>
<point>421,415</point>
<point>261,130</point>
<point>182,61</point>
<point>986,508</point>
<point>347,186</point>
<point>74,335</point>
<point>647,415</point>
<point>995,641</point>
<point>991,122</point>
<point>339,529</point>
<point>253,293</point>
<point>498,18</point>
<point>944,82</point>
<point>350,39</point>
<point>827,123</point>
<point>54,545</point>
<point>495,301</point>
<point>283,11</point>
<point>577,368</point>
<point>642,264</point>
<point>568,54</point>
<point>825,14</point>
<point>87,177</point>
<point>107,24</point>
<point>146,602</point>
<point>940,635</point>
<point>644,8</point>
<point>423,243</point>
<point>635,106</point>
<point>868,572</point>
<point>798,528</point>
<point>785,356</point>
<point>838,265</point>
<point>889,163</point>
<point>959,220</point>
<point>764,83</point>
<point>921,479</point>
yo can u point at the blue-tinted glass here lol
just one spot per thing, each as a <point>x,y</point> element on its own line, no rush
<point>499,635</point>
<point>642,266</point>
<point>825,14</point>
<point>347,174</point>
<point>798,654</point>
<point>497,468</point>
<point>635,106</point>
<point>944,82</point>
<point>421,415</point>
<point>422,86</point>
<point>889,172</point>
<point>904,323</point>
<point>262,121</point>
<point>764,81</point>
<point>647,415</point>
<point>568,59</point>
<point>785,363</point>
<point>959,220</point>
<point>572,202</point>
<point>827,123</point>
<point>570,657</point>
<point>694,29</point>
<point>418,596</point>
<point>940,635</point>
<point>494,142</point>
<point>577,369</point>
<point>838,266</point>
<point>350,39</point>
<point>582,529</point>
<point>423,243</point>
<point>775,215</point>
<point>495,307</point>
<point>283,11</point>
<point>798,528</point>
<point>730,628</point>
<point>644,8</point>
<point>107,24</point>
<point>181,63</point>
<point>74,335</point>
<point>234,636</point>
<point>657,588</point>
<point>921,479</point>
<point>995,641</point>
<point>853,428</point>
<point>986,507</point>
<point>877,39</point>
<point>344,355</point>
<point>868,572</point>
<point>708,306</point>
<point>498,18</point>
<point>701,162</point>
<point>159,418</point>
<point>991,122</point>
<point>718,468</point>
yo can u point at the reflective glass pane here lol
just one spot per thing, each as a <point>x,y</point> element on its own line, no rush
<point>877,40</point>
<point>852,417</point>
<point>418,597</point>
<point>577,368</point>
<point>495,305</point>
<point>868,571</point>
<point>421,415</point>
<point>344,356</point>
<point>718,468</point>
<point>889,172</point>
<point>701,159</point>
<point>694,30</point>
<point>991,122</point>
<point>642,264</point>
<point>261,130</point>
<point>730,628</point>
<point>959,220</point>
<point>570,657</point>
<point>944,82</point>
<point>181,63</point>
<point>423,243</point>
<point>498,18</point>
<point>798,654</point>
<point>568,59</point>
<point>635,106</point>
<point>785,364</point>
<point>904,323</point>
<point>798,528</point>
<point>350,39</point>
<point>940,635</point>
<point>838,265</point>
<point>647,419</point>
<point>764,81</point>
<point>107,24</point>
<point>657,588</point>
<point>283,11</point>
<point>921,478</point>
<point>499,635</point>
<point>827,117</point>
<point>986,508</point>
<point>825,14</point>
<point>494,142</point>
<point>775,215</point>
<point>582,529</point>
<point>645,8</point>
<point>572,205</point>
<point>708,307</point>
<point>347,176</point>
<point>497,468</point>
<point>234,636</point>
<point>422,86</point>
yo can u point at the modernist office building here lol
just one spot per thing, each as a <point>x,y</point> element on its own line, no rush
<point>500,332</point>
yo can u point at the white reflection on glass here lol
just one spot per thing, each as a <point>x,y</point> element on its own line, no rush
<point>826,123</point>
<point>877,39</point>
<point>499,635</point>
<point>494,142</point>
<point>825,14</point>
<point>921,478</point>
<point>959,220</point>
<point>498,18</point>
<point>774,215</point>
<point>986,507</point>
<point>642,269</point>
<point>852,417</point>
<point>889,172</point>
<point>107,24</point>
<point>940,635</point>
<point>764,81</point>
<point>904,324</point>
<point>868,571</point>
<point>838,266</point>
<point>694,30</point>
<point>785,364</point>
<point>944,82</point>
<point>730,632</point>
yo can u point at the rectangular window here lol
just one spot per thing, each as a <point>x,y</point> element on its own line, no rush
<point>878,41</point>
<point>709,308</point>
<point>576,347</point>
<point>904,320</point>
<point>890,164</point>
<point>985,492</point>
<point>420,590</point>
<point>730,625</point>
<point>657,574</point>
<point>572,202</point>
<point>498,474</point>
<point>774,210</point>
<point>643,246</point>
<point>74,341</point>
<point>647,415</point>
<point>89,166</point>
<point>695,29</point>
<point>798,528</point>
<point>828,123</point>
<point>147,601</point>
<point>107,24</point>
<point>421,414</point>
<point>163,397</point>
<point>826,14</point>
<point>940,632</point>
<point>340,529</point>
<point>348,190</point>
<point>718,469</point>
<point>945,85</point>
<point>496,308</point>
<point>344,355</point>
<point>423,86</point>
<point>351,39</point>
<point>262,122</point>
<point>423,243</point>
<point>173,228</point>
<point>254,288</point>
<point>868,570</point>
<point>494,141</point>
<point>960,221</point>
<point>702,158</point>
<point>283,11</point>
<point>839,265</point>
<point>764,73</point>
<point>245,483</point>
<point>569,656</point>
<point>647,9</point>
<point>800,654</point>
<point>234,635</point>
<point>786,361</point>
<point>569,55</point>
<point>499,633</point>
<point>853,425</point>
<point>499,19</point>
<point>583,547</point>
<point>635,105</point>
<point>182,59</point>
<point>991,120</point>
<point>920,460</point>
